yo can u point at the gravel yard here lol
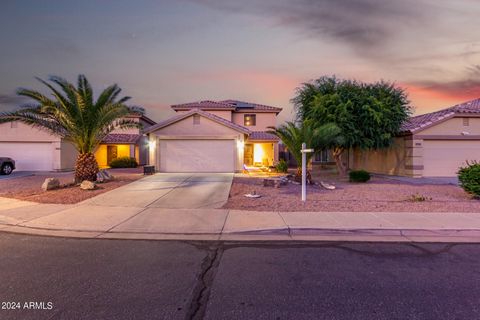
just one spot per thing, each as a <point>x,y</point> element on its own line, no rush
<point>379,194</point>
<point>29,187</point>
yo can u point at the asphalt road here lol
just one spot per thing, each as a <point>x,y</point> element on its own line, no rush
<point>119,279</point>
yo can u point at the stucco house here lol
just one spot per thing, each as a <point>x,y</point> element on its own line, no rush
<point>37,150</point>
<point>435,144</point>
<point>214,136</point>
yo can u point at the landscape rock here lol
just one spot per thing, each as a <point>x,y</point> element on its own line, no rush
<point>87,185</point>
<point>104,176</point>
<point>50,184</point>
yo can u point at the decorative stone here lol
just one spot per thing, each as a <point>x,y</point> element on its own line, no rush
<point>87,185</point>
<point>106,175</point>
<point>50,184</point>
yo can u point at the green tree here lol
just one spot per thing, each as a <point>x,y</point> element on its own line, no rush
<point>318,138</point>
<point>369,115</point>
<point>74,115</point>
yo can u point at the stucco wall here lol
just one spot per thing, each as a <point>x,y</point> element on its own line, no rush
<point>17,131</point>
<point>68,156</point>
<point>454,126</point>
<point>263,120</point>
<point>385,161</point>
<point>223,114</point>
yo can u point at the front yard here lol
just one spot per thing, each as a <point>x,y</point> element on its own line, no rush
<point>379,194</point>
<point>29,188</point>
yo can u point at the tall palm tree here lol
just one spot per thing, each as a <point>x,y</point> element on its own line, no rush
<point>74,115</point>
<point>293,135</point>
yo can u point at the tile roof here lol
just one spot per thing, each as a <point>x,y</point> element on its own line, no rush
<point>249,105</point>
<point>121,138</point>
<point>262,136</point>
<point>426,120</point>
<point>205,114</point>
<point>230,104</point>
<point>206,104</point>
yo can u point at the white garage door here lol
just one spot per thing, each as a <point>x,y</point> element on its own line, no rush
<point>29,156</point>
<point>197,156</point>
<point>442,158</point>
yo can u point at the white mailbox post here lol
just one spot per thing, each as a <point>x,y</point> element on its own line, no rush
<point>304,170</point>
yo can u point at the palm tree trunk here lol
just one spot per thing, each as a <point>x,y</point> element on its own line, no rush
<point>337,155</point>
<point>298,176</point>
<point>86,167</point>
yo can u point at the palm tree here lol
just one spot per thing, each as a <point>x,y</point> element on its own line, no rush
<point>73,115</point>
<point>293,135</point>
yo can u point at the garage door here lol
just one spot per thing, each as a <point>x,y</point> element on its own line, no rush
<point>442,158</point>
<point>34,156</point>
<point>197,156</point>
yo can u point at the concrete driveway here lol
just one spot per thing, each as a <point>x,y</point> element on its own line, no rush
<point>171,190</point>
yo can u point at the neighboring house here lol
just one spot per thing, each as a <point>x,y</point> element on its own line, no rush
<point>211,136</point>
<point>431,145</point>
<point>37,150</point>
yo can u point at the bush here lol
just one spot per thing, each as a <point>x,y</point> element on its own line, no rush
<point>123,162</point>
<point>469,178</point>
<point>359,176</point>
<point>282,166</point>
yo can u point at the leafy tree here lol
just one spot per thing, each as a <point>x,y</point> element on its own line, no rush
<point>369,115</point>
<point>318,138</point>
<point>73,115</point>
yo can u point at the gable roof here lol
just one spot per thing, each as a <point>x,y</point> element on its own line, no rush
<point>233,105</point>
<point>202,113</point>
<point>418,123</point>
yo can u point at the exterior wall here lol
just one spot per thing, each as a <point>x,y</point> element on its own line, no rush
<point>454,126</point>
<point>68,156</point>
<point>392,161</point>
<point>263,120</point>
<point>221,113</point>
<point>19,132</point>
<point>186,130</point>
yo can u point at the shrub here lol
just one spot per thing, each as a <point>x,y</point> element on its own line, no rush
<point>124,162</point>
<point>282,166</point>
<point>469,178</point>
<point>359,176</point>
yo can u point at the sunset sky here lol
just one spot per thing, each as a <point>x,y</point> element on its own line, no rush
<point>168,52</point>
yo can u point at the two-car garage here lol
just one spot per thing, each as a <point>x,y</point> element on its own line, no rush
<point>195,155</point>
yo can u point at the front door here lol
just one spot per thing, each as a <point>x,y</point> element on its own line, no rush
<point>248,155</point>
<point>111,153</point>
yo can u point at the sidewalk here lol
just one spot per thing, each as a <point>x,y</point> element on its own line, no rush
<point>113,222</point>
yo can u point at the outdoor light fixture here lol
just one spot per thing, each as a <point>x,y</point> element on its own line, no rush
<point>240,144</point>
<point>151,144</point>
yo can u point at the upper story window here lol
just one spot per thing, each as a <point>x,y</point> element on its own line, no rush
<point>196,119</point>
<point>250,119</point>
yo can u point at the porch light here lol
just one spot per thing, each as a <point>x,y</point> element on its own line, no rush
<point>240,144</point>
<point>151,144</point>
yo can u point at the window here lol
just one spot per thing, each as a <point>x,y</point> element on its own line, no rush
<point>466,122</point>
<point>250,119</point>
<point>322,156</point>
<point>196,119</point>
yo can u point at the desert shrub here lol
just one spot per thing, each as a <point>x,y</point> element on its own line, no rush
<point>469,178</point>
<point>124,162</point>
<point>282,166</point>
<point>359,176</point>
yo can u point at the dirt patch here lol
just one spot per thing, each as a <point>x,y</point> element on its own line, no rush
<point>29,188</point>
<point>378,195</point>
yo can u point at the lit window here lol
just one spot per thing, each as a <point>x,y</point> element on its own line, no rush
<point>466,122</point>
<point>196,119</point>
<point>249,119</point>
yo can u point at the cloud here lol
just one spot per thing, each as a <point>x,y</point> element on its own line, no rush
<point>11,101</point>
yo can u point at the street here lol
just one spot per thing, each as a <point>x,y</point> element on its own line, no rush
<point>122,279</point>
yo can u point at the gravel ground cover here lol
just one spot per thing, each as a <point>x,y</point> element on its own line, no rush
<point>379,194</point>
<point>29,188</point>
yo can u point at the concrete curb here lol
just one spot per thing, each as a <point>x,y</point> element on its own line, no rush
<point>283,234</point>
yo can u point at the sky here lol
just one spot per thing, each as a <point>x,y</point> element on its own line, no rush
<point>168,52</point>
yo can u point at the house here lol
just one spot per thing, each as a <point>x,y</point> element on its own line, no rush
<point>214,136</point>
<point>435,144</point>
<point>38,150</point>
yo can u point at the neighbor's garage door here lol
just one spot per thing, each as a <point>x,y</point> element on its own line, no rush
<point>197,156</point>
<point>29,156</point>
<point>442,158</point>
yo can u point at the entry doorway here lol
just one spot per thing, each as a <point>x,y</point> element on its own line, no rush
<point>112,153</point>
<point>248,155</point>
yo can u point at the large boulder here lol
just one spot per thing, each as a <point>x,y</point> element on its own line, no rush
<point>104,176</point>
<point>50,184</point>
<point>87,185</point>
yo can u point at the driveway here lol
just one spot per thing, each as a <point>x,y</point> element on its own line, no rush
<point>171,190</point>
